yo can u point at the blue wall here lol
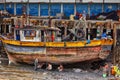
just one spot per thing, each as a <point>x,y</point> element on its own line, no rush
<point>95,9</point>
<point>119,6</point>
<point>68,9</point>
<point>33,9</point>
<point>80,8</point>
<point>44,9</point>
<point>110,7</point>
<point>54,9</point>
<point>10,8</point>
<point>19,8</point>
<point>1,6</point>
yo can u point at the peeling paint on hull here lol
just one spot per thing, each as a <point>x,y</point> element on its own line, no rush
<point>55,55</point>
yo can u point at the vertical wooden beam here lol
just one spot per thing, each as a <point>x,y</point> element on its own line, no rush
<point>0,29</point>
<point>85,27</point>
<point>5,28</point>
<point>10,28</point>
<point>89,26</point>
<point>114,43</point>
<point>114,35</point>
<point>98,31</point>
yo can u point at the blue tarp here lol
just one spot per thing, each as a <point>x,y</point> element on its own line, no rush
<point>95,9</point>
<point>10,8</point>
<point>110,7</point>
<point>33,9</point>
<point>54,9</point>
<point>68,9</point>
<point>44,9</point>
<point>80,8</point>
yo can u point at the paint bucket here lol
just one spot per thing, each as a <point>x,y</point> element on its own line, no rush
<point>104,75</point>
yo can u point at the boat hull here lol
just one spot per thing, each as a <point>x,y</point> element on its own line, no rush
<point>55,55</point>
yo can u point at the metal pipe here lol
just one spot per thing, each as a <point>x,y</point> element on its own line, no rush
<point>28,7</point>
<point>75,8</point>
<point>5,5</point>
<point>49,24</point>
<point>49,8</point>
<point>28,12</point>
<point>103,5</point>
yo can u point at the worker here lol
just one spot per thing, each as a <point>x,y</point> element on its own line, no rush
<point>72,17</point>
<point>60,68</point>
<point>40,65</point>
<point>53,36</point>
<point>104,35</point>
<point>80,16</point>
<point>49,67</point>
<point>105,70</point>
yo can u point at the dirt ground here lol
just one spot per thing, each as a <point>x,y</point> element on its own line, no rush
<point>26,72</point>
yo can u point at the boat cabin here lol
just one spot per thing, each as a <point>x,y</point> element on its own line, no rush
<point>89,30</point>
<point>36,34</point>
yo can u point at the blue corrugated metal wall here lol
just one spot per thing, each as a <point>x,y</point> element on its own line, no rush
<point>1,6</point>
<point>19,8</point>
<point>95,9</point>
<point>80,8</point>
<point>44,9</point>
<point>119,6</point>
<point>68,9</point>
<point>110,7</point>
<point>33,9</point>
<point>10,8</point>
<point>54,9</point>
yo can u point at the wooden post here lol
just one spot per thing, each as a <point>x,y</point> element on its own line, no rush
<point>5,28</point>
<point>89,26</point>
<point>114,35</point>
<point>114,43</point>
<point>0,29</point>
<point>98,31</point>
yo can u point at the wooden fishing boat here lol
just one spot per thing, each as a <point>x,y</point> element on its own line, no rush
<point>44,45</point>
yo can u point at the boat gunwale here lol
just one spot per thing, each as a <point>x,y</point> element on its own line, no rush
<point>59,44</point>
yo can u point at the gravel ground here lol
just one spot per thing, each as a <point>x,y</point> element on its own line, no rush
<point>27,73</point>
